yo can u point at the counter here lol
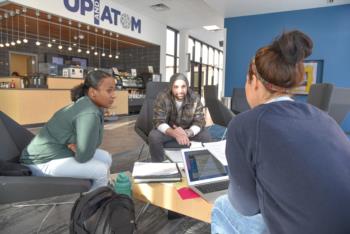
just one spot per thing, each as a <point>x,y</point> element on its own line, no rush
<point>33,106</point>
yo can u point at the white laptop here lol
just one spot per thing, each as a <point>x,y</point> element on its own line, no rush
<point>205,174</point>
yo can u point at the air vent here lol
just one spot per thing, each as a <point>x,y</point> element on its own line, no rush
<point>160,7</point>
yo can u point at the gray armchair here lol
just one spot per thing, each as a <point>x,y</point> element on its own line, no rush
<point>219,113</point>
<point>13,138</point>
<point>239,101</point>
<point>333,100</point>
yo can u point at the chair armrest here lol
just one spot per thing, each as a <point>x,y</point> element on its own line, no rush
<point>25,188</point>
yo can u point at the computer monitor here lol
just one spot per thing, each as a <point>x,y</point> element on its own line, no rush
<point>57,60</point>
<point>79,61</point>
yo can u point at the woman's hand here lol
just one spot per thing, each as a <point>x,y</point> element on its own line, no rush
<point>72,147</point>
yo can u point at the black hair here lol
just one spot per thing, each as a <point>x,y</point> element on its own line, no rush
<point>91,80</point>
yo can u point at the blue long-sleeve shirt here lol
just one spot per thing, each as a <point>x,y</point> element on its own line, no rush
<point>290,162</point>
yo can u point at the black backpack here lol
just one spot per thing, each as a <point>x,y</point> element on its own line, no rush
<point>103,211</point>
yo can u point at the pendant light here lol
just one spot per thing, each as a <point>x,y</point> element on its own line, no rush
<point>25,40</point>
<point>7,44</point>
<point>13,43</point>
<point>70,41</point>
<point>79,50</point>
<point>60,45</point>
<point>103,43</point>
<point>110,45</point>
<point>18,40</point>
<point>87,43</point>
<point>116,47</point>
<point>96,53</point>
<point>49,42</point>
<point>38,43</point>
<point>1,43</point>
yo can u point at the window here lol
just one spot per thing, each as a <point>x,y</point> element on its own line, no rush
<point>207,65</point>
<point>172,52</point>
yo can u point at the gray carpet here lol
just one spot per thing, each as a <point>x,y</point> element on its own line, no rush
<point>154,221</point>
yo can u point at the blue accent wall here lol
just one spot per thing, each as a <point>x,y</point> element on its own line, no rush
<point>329,27</point>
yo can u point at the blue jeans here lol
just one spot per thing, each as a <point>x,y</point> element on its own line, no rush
<point>225,219</point>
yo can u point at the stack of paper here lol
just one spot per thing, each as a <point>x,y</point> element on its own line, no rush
<point>145,172</point>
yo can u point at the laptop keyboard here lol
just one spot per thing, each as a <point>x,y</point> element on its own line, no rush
<point>214,187</point>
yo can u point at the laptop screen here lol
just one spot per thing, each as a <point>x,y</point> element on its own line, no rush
<point>202,165</point>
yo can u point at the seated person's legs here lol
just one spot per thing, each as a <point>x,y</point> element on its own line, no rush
<point>225,219</point>
<point>156,140</point>
<point>93,169</point>
<point>103,156</point>
<point>202,136</point>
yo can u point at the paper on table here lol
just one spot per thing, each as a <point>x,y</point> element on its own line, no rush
<point>218,150</point>
<point>196,144</point>
<point>154,169</point>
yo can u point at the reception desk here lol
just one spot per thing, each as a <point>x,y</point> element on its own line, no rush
<point>33,106</point>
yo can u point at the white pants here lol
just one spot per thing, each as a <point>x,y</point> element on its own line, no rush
<point>96,169</point>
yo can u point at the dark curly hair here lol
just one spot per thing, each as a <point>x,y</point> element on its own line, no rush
<point>92,79</point>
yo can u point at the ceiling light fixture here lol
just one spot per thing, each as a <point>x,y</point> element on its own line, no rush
<point>96,30</point>
<point>13,43</point>
<point>7,44</point>
<point>60,45</point>
<point>25,40</point>
<point>160,7</point>
<point>103,43</point>
<point>116,47</point>
<point>1,43</point>
<point>70,47</point>
<point>37,28</point>
<point>49,42</point>
<point>18,40</point>
<point>211,27</point>
<point>87,43</point>
<point>79,50</point>
<point>110,45</point>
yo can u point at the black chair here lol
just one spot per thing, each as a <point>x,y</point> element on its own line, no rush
<point>143,124</point>
<point>219,113</point>
<point>239,101</point>
<point>13,138</point>
<point>333,100</point>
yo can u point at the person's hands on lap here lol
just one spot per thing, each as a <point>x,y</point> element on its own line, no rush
<point>72,147</point>
<point>180,135</point>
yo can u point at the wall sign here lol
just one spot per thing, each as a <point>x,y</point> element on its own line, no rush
<point>103,13</point>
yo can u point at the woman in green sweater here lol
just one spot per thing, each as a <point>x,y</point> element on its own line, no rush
<point>67,146</point>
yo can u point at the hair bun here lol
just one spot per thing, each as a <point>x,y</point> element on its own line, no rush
<point>293,46</point>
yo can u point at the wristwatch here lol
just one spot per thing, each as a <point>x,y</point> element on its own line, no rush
<point>189,133</point>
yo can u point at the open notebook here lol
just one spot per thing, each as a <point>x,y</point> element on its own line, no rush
<point>146,172</point>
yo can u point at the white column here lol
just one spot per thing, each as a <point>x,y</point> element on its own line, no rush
<point>162,52</point>
<point>183,52</point>
<point>222,91</point>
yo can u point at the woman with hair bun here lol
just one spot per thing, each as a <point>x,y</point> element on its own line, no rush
<point>288,162</point>
<point>67,146</point>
